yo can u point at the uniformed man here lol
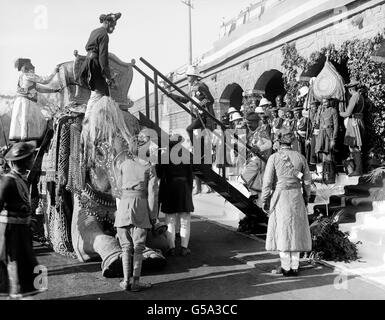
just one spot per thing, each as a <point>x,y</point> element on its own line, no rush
<point>301,130</point>
<point>260,141</point>
<point>17,259</point>
<point>354,126</point>
<point>289,121</point>
<point>275,122</point>
<point>199,92</point>
<point>326,139</point>
<point>279,102</point>
<point>314,116</point>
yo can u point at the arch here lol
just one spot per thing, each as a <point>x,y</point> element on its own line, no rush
<point>232,96</point>
<point>270,84</point>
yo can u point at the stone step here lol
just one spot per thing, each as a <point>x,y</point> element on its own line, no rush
<point>367,234</point>
<point>355,201</point>
<point>348,214</point>
<point>372,242</point>
<point>347,227</point>
<point>379,206</point>
<point>371,252</point>
<point>370,218</point>
<point>364,180</point>
<point>361,189</point>
<point>344,179</point>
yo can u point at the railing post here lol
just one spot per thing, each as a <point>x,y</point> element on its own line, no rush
<point>224,156</point>
<point>147,95</point>
<point>156,102</point>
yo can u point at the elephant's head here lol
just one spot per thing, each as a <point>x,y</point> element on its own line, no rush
<point>105,139</point>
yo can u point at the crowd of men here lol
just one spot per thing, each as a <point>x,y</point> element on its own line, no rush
<point>326,133</point>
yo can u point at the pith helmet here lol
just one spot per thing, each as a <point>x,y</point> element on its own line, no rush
<point>192,71</point>
<point>20,150</point>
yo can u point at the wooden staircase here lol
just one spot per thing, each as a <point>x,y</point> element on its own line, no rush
<point>215,181</point>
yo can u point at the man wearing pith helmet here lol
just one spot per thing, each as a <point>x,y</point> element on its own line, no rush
<point>200,93</point>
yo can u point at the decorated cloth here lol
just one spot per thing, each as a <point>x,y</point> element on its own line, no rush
<point>288,227</point>
<point>28,122</point>
<point>329,84</point>
<point>74,183</point>
<point>355,127</point>
<point>17,259</point>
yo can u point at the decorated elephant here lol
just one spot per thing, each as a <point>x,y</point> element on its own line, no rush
<point>78,182</point>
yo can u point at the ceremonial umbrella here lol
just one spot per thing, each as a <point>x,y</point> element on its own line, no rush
<point>379,53</point>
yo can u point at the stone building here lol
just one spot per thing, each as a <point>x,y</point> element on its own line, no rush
<point>248,58</point>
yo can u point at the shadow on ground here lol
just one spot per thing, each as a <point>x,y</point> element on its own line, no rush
<point>216,269</point>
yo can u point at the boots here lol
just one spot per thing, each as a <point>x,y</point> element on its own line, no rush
<point>358,171</point>
<point>329,173</point>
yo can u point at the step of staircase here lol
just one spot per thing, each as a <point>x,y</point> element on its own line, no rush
<point>369,230</point>
<point>370,219</point>
<point>371,252</point>
<point>344,179</point>
<point>368,234</point>
<point>355,201</point>
<point>361,190</point>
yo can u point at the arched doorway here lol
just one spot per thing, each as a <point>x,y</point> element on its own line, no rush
<point>232,96</point>
<point>270,84</point>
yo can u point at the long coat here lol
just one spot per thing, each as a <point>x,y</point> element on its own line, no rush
<point>175,188</point>
<point>288,227</point>
<point>95,69</point>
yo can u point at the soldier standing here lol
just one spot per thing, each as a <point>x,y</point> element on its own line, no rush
<point>301,129</point>
<point>289,122</point>
<point>17,259</point>
<point>326,139</point>
<point>275,123</point>
<point>314,116</point>
<point>355,126</point>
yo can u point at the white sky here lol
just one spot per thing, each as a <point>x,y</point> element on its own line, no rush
<point>154,29</point>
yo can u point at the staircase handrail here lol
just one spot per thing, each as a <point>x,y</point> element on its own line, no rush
<point>180,91</point>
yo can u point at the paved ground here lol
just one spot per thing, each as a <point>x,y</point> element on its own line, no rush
<point>223,265</point>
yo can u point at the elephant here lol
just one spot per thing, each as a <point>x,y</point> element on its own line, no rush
<point>78,183</point>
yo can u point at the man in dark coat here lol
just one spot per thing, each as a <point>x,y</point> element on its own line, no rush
<point>95,71</point>
<point>175,197</point>
<point>17,259</point>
